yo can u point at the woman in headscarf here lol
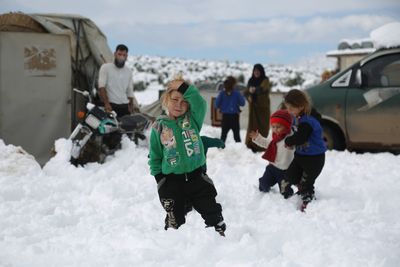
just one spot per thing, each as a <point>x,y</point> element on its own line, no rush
<point>257,94</point>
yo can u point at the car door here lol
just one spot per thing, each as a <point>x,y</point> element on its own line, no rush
<point>372,109</point>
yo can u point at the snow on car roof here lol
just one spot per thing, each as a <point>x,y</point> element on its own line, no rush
<point>386,36</point>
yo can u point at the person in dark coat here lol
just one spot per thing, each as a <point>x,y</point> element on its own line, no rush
<point>228,102</point>
<point>257,94</point>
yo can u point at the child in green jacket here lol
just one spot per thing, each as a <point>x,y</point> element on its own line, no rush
<point>177,156</point>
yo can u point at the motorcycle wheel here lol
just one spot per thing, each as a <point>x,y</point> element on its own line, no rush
<point>91,152</point>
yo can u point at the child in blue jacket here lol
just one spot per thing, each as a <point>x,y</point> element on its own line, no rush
<point>228,102</point>
<point>309,156</point>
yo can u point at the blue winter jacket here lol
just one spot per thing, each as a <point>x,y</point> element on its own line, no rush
<point>229,104</point>
<point>308,136</point>
<point>315,145</point>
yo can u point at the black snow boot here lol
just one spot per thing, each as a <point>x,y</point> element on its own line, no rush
<point>286,190</point>
<point>306,198</point>
<point>220,228</point>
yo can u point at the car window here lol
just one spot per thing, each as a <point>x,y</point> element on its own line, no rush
<point>382,72</point>
<point>391,74</point>
<point>343,81</point>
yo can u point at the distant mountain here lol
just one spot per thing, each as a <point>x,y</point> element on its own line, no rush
<point>153,71</point>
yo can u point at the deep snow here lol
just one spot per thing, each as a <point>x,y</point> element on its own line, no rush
<point>109,215</point>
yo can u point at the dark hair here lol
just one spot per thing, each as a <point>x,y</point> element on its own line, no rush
<point>298,99</point>
<point>229,83</point>
<point>253,81</point>
<point>121,47</point>
<point>260,68</point>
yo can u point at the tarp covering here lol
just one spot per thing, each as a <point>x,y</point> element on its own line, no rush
<point>87,50</point>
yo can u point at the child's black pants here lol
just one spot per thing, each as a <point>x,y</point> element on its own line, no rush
<point>304,170</point>
<point>230,122</point>
<point>196,187</point>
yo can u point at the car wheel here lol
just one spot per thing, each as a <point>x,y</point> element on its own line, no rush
<point>332,138</point>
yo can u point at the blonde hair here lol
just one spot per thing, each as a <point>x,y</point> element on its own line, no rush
<point>178,77</point>
<point>166,96</point>
<point>298,99</point>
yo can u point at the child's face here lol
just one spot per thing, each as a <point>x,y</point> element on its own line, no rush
<point>296,111</point>
<point>176,104</point>
<point>277,128</point>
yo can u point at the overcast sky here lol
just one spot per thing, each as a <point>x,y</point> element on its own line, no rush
<point>283,31</point>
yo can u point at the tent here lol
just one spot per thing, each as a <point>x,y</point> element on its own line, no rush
<point>42,58</point>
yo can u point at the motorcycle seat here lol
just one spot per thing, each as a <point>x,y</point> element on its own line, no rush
<point>134,122</point>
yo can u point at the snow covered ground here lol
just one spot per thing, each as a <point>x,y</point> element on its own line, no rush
<point>109,215</point>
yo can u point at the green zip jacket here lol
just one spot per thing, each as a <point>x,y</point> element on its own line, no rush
<point>175,144</point>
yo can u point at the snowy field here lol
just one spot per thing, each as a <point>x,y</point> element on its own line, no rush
<point>109,215</point>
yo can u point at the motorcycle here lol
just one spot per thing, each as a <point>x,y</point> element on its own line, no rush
<point>99,133</point>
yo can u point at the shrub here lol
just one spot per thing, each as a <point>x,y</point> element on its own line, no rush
<point>298,80</point>
<point>140,86</point>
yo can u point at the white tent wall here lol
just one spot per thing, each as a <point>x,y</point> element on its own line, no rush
<point>35,82</point>
<point>37,110</point>
<point>88,44</point>
<point>89,50</point>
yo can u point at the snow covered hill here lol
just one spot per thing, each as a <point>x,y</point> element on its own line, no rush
<point>109,215</point>
<point>155,71</point>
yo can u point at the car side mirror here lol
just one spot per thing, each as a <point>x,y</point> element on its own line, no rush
<point>358,80</point>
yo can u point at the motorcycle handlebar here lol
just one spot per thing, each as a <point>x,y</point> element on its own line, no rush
<point>84,93</point>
